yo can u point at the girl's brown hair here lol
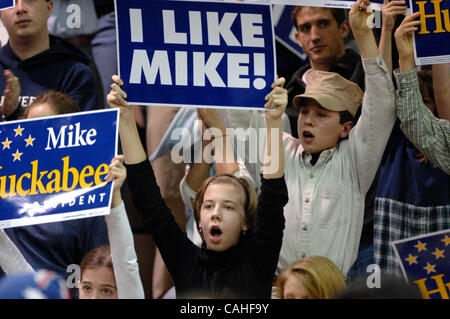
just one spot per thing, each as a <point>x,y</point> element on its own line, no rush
<point>97,258</point>
<point>60,103</point>
<point>251,199</point>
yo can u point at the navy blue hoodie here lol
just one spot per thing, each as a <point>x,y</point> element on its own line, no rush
<point>63,68</point>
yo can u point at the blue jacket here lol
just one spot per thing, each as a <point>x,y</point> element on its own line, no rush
<point>63,68</point>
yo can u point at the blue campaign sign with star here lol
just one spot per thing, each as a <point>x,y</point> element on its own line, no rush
<point>195,53</point>
<point>425,262</point>
<point>53,168</point>
<point>5,4</point>
<point>431,41</point>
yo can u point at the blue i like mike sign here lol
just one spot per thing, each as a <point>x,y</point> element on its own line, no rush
<point>53,168</point>
<point>5,4</point>
<point>195,53</point>
<point>425,262</point>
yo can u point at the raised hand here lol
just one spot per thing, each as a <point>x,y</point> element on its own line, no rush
<point>11,93</point>
<point>403,40</point>
<point>117,173</point>
<point>359,16</point>
<point>390,11</point>
<point>277,100</point>
<point>117,98</point>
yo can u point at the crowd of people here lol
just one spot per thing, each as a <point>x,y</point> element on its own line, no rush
<point>356,155</point>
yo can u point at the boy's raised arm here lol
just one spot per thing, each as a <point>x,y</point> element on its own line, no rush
<point>368,139</point>
<point>358,17</point>
<point>274,154</point>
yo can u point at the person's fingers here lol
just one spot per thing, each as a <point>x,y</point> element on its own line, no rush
<point>119,158</point>
<point>117,79</point>
<point>118,89</point>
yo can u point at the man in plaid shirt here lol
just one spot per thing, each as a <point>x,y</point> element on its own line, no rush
<point>412,195</point>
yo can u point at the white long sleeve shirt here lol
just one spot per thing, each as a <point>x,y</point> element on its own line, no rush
<point>126,268</point>
<point>325,212</point>
<point>11,259</point>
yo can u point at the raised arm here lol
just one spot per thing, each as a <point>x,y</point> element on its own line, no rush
<point>358,17</point>
<point>174,246</point>
<point>428,133</point>
<point>11,109</point>
<point>132,148</point>
<point>390,11</point>
<point>441,88</point>
<point>121,241</point>
<point>273,166</point>
<point>403,40</point>
<point>11,259</point>
<point>368,139</point>
<point>269,219</point>
<point>216,141</point>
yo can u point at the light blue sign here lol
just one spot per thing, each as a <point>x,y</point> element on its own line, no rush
<point>193,53</point>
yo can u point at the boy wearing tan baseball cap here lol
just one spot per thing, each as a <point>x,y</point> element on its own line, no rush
<point>330,167</point>
<point>326,110</point>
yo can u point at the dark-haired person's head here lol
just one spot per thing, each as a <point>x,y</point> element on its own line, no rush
<point>321,33</point>
<point>326,109</point>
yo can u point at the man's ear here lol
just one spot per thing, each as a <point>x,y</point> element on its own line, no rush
<point>297,39</point>
<point>50,7</point>
<point>346,130</point>
<point>344,29</point>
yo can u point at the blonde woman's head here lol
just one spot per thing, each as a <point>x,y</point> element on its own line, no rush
<point>310,278</point>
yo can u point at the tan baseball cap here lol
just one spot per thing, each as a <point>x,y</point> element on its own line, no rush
<point>331,91</point>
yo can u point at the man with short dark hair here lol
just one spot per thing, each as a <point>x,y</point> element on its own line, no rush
<point>321,33</point>
<point>40,61</point>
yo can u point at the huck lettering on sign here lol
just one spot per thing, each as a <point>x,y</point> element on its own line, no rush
<point>193,53</point>
<point>53,169</point>
<point>425,262</point>
<point>431,41</point>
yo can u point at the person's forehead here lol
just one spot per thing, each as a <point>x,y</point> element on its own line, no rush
<point>224,192</point>
<point>311,14</point>
<point>311,103</point>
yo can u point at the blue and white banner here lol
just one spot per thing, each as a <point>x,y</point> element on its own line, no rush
<point>344,4</point>
<point>5,4</point>
<point>53,168</point>
<point>285,30</point>
<point>432,40</point>
<point>195,53</point>
<point>425,262</point>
